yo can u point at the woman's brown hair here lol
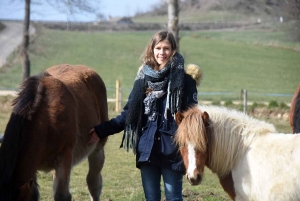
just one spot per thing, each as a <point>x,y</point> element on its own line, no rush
<point>148,54</point>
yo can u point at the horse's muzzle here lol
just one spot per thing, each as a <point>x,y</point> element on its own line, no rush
<point>194,180</point>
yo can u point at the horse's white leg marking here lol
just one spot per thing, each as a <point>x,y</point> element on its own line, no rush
<point>191,160</point>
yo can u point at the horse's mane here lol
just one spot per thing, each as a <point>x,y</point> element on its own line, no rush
<point>24,106</point>
<point>230,132</point>
<point>233,132</point>
<point>295,111</point>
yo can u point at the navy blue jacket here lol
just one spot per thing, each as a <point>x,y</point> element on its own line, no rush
<point>156,144</point>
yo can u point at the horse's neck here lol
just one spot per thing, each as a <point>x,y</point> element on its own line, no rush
<point>233,132</point>
<point>226,148</point>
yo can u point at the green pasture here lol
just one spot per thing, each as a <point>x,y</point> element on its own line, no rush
<point>194,16</point>
<point>263,62</point>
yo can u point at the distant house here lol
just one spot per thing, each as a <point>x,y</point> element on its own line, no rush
<point>120,20</point>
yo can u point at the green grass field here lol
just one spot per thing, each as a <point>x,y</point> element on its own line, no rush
<point>263,62</point>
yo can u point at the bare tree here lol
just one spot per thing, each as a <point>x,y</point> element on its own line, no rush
<point>25,42</point>
<point>71,6</point>
<point>173,15</point>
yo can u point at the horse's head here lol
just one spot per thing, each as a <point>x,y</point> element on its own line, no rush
<point>28,191</point>
<point>193,142</point>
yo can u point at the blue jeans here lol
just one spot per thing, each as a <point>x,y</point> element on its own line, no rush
<point>151,176</point>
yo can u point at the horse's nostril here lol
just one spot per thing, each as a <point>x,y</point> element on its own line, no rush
<point>199,178</point>
<point>195,180</point>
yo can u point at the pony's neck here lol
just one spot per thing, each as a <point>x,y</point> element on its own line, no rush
<point>232,132</point>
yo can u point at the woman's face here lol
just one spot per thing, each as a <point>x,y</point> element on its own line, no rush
<point>162,52</point>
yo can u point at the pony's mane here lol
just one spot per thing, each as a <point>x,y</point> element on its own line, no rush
<point>29,96</point>
<point>232,133</point>
<point>24,106</point>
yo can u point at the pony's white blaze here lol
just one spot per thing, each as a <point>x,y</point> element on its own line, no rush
<point>191,160</point>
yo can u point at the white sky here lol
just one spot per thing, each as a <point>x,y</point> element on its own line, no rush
<point>14,9</point>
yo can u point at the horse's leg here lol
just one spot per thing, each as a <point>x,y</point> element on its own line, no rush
<point>61,177</point>
<point>228,185</point>
<point>94,178</point>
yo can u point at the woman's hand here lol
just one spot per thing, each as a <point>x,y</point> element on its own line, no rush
<point>94,137</point>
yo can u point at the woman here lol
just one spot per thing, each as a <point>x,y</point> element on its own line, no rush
<point>161,89</point>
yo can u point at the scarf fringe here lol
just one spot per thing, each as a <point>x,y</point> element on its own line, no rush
<point>130,139</point>
<point>173,102</point>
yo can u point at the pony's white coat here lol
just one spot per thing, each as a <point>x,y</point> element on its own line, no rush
<point>265,165</point>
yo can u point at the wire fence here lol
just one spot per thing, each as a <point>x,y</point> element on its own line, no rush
<point>119,96</point>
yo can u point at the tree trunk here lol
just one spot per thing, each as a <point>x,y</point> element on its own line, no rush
<point>173,14</point>
<point>25,43</point>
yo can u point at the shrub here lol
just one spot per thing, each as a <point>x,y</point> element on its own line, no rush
<point>283,105</point>
<point>228,103</point>
<point>215,102</point>
<point>273,104</point>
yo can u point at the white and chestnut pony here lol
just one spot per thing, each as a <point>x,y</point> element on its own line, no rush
<point>252,161</point>
<point>49,130</point>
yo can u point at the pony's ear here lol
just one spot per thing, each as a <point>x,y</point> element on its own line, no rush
<point>178,117</point>
<point>205,118</point>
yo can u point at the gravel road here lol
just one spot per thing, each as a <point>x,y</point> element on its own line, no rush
<point>10,38</point>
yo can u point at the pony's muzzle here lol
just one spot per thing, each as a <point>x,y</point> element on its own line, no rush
<point>194,179</point>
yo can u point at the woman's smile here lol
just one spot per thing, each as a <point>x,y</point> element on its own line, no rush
<point>162,52</point>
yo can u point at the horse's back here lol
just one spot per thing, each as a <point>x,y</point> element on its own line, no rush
<point>276,157</point>
<point>89,92</point>
<point>87,88</point>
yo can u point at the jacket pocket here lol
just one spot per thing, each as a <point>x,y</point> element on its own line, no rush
<point>168,127</point>
<point>168,146</point>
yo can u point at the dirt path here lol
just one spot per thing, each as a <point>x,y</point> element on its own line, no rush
<point>10,39</point>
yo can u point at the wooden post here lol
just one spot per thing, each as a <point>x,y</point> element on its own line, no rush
<point>245,101</point>
<point>118,100</point>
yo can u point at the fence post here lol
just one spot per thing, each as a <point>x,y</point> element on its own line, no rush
<point>118,97</point>
<point>245,100</point>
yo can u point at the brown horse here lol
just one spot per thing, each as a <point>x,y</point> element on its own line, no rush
<point>48,130</point>
<point>295,111</point>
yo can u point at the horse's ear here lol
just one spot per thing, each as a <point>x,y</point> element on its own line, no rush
<point>205,118</point>
<point>178,117</point>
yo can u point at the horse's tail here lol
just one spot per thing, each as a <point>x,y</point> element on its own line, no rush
<point>24,106</point>
<point>295,111</point>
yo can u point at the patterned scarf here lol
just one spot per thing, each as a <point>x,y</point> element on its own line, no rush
<point>169,80</point>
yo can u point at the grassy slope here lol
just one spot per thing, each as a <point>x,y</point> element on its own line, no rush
<point>231,61</point>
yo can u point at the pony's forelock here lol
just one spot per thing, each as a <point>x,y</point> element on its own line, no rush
<point>192,130</point>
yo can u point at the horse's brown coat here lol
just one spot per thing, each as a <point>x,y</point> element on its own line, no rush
<point>53,115</point>
<point>295,111</point>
